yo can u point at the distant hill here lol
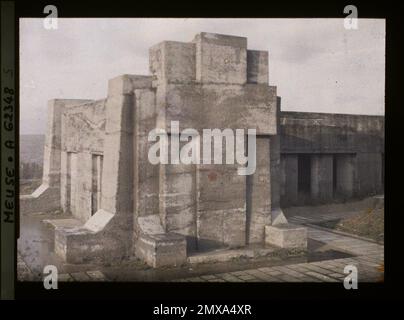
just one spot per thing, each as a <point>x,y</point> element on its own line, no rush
<point>32,148</point>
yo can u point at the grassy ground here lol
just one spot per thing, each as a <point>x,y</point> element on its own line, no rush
<point>369,224</point>
<point>29,186</point>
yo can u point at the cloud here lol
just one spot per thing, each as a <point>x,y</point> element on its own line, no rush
<point>316,64</point>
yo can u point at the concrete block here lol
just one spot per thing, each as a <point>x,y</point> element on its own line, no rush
<point>286,236</point>
<point>162,250</point>
<point>150,224</point>
<point>221,39</point>
<point>127,83</point>
<point>173,62</point>
<point>257,66</point>
<point>103,239</point>
<point>221,58</point>
<point>43,199</point>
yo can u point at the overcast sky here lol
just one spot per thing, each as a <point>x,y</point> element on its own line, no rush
<point>317,65</point>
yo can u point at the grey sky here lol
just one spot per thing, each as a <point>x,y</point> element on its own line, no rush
<point>317,65</point>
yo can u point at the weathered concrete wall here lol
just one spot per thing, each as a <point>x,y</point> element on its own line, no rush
<point>83,127</point>
<point>307,132</point>
<point>83,134</point>
<point>259,194</point>
<point>321,178</point>
<point>48,196</point>
<point>345,177</point>
<point>368,173</point>
<point>345,151</point>
<point>289,191</point>
<point>96,159</point>
<point>163,212</point>
<point>108,234</point>
<point>214,82</point>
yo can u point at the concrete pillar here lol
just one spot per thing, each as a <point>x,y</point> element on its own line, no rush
<point>259,188</point>
<point>321,177</point>
<point>108,234</point>
<point>257,66</point>
<point>52,155</point>
<point>73,183</point>
<point>118,171</point>
<point>275,161</point>
<point>146,175</point>
<point>65,181</point>
<point>96,169</point>
<point>344,175</point>
<point>289,167</point>
<point>179,198</point>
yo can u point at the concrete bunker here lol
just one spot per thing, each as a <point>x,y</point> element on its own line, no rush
<point>330,157</point>
<point>96,166</point>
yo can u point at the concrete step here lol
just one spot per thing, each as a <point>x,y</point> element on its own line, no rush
<point>62,223</point>
<point>225,255</point>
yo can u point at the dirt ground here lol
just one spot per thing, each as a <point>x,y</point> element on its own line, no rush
<point>36,242</point>
<point>369,224</point>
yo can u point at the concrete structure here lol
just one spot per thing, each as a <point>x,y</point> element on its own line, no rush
<point>97,168</point>
<point>330,157</point>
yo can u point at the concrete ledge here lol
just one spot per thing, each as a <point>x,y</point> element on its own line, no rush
<point>226,255</point>
<point>162,250</point>
<point>100,239</point>
<point>286,236</point>
<point>43,199</point>
<point>80,245</point>
<point>62,223</point>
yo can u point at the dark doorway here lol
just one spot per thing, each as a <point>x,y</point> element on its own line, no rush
<point>303,177</point>
<point>334,175</point>
<point>96,183</point>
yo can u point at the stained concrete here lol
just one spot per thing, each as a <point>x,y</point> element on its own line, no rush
<point>322,177</point>
<point>356,143</point>
<point>97,172</point>
<point>133,207</point>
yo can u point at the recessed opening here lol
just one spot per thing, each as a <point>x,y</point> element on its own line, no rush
<point>304,176</point>
<point>96,182</point>
<point>334,175</point>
